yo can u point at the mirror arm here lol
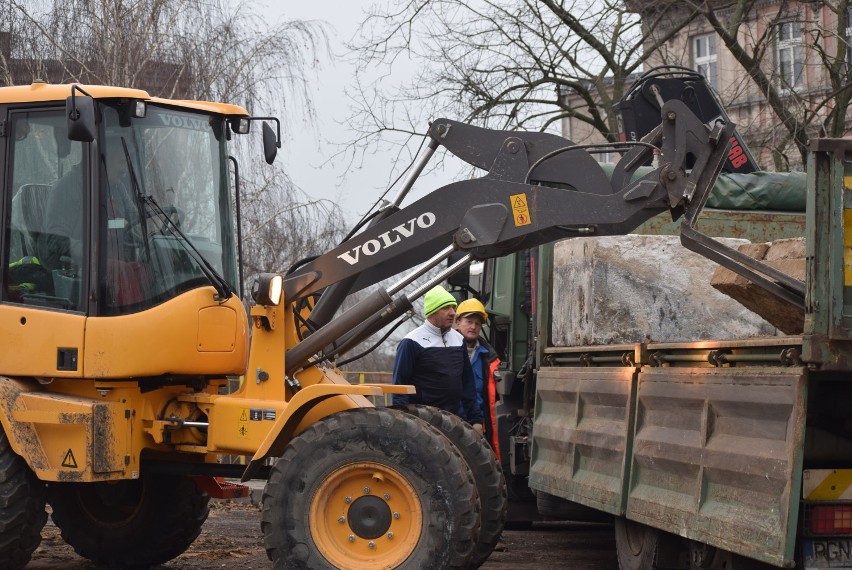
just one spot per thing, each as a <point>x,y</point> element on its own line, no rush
<point>277,127</point>
<point>74,112</point>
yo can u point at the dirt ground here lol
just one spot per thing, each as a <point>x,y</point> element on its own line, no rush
<point>231,538</point>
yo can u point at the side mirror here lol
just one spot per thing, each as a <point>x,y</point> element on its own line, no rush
<point>271,139</point>
<point>270,143</point>
<point>80,116</point>
<point>241,125</point>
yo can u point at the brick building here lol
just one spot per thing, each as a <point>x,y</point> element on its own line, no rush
<point>797,41</point>
<point>158,78</point>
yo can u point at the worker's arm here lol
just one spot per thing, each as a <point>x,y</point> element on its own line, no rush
<point>403,368</point>
<point>472,412</point>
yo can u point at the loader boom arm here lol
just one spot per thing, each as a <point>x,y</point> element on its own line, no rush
<point>539,188</point>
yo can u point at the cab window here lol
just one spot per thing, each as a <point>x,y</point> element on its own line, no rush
<point>45,210</point>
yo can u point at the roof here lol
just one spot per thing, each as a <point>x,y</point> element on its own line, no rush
<point>209,106</point>
<point>37,92</point>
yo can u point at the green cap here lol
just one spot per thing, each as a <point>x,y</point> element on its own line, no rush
<point>436,299</point>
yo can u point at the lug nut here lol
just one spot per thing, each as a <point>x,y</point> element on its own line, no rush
<point>390,535</point>
<point>396,515</point>
<point>371,544</point>
<point>348,500</point>
<point>387,496</point>
<point>341,520</point>
<point>351,538</point>
<point>366,490</point>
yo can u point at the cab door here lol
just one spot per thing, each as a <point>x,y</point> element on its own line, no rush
<point>45,251</point>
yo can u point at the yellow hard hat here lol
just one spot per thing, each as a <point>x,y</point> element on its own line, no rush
<point>471,306</point>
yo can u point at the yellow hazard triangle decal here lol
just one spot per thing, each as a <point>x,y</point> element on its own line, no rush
<point>69,460</point>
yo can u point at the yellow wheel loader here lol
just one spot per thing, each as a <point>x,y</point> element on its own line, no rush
<point>122,327</point>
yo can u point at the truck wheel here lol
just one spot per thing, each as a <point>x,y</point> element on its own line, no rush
<point>130,524</point>
<point>370,488</point>
<point>488,475</point>
<point>635,545</point>
<point>22,515</point>
<point>641,547</point>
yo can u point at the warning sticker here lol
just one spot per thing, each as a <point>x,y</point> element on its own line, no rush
<point>255,415</point>
<point>269,415</point>
<point>520,210</point>
<point>242,428</point>
<point>69,460</point>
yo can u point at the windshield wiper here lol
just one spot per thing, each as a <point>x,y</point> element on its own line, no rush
<point>223,289</point>
<point>137,190</point>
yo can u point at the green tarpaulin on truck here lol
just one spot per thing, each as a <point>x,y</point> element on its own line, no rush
<point>773,191</point>
<point>783,191</point>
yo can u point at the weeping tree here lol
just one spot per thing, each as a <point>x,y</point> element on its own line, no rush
<point>190,49</point>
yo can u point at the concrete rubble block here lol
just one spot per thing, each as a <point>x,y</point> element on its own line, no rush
<point>786,255</point>
<point>622,289</point>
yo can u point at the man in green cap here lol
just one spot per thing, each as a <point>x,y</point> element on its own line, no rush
<point>433,359</point>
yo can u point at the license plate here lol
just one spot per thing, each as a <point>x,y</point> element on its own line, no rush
<point>828,553</point>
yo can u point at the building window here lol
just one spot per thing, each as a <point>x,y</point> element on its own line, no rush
<point>704,57</point>
<point>790,54</point>
<point>849,36</point>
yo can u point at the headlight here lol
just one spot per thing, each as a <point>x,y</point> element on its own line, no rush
<point>139,109</point>
<point>241,125</point>
<point>267,289</point>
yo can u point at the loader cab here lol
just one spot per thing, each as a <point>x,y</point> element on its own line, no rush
<point>105,238</point>
<point>86,222</point>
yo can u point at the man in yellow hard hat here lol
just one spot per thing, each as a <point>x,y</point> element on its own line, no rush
<point>470,315</point>
<point>433,359</point>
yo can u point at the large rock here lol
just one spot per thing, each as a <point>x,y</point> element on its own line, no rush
<point>622,289</point>
<point>787,256</point>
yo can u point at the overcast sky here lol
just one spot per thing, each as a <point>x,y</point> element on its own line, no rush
<point>306,153</point>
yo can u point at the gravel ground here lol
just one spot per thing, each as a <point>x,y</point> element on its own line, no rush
<point>231,538</point>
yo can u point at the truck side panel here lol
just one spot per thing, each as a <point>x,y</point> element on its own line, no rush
<point>717,456</point>
<point>583,420</point>
<point>711,454</point>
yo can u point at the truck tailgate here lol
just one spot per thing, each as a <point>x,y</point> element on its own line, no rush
<point>583,417</point>
<point>712,454</point>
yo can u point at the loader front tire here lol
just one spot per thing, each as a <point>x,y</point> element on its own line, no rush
<point>490,482</point>
<point>370,488</point>
<point>130,524</point>
<point>22,513</point>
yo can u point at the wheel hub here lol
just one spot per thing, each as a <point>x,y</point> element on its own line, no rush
<point>369,517</point>
<point>365,515</point>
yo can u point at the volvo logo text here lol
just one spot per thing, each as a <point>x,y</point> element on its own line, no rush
<point>388,238</point>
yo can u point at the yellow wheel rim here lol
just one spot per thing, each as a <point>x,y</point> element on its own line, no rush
<point>366,515</point>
